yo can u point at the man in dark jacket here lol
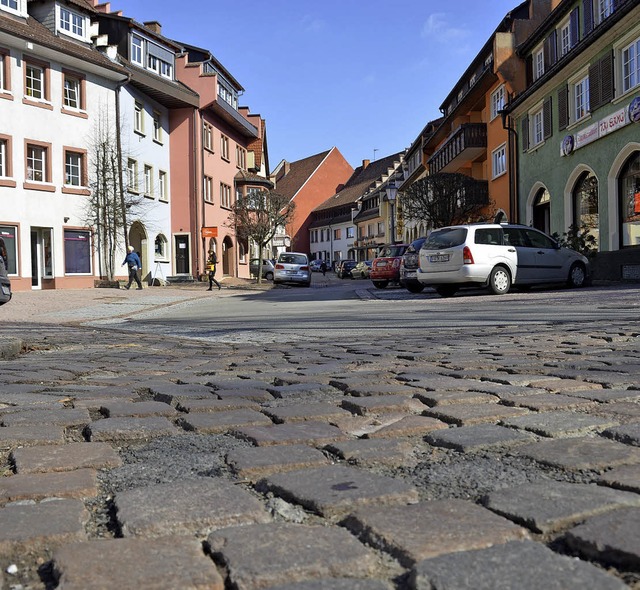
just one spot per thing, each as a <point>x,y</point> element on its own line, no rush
<point>212,262</point>
<point>132,260</point>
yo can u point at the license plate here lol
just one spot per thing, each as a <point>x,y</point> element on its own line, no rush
<point>381,263</point>
<point>292,272</point>
<point>410,275</point>
<point>439,258</point>
<point>5,290</point>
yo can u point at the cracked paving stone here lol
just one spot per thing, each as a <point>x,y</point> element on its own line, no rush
<point>335,490</point>
<point>293,390</point>
<point>317,433</point>
<point>628,434</point>
<point>428,529</point>
<point>626,477</point>
<point>81,483</point>
<point>581,453</point>
<point>479,437</point>
<point>123,429</point>
<point>611,538</point>
<point>559,424</point>
<point>369,388</point>
<point>119,409</point>
<point>524,565</point>
<point>261,556</point>
<point>258,462</point>
<point>219,422</point>
<point>469,414</point>
<point>321,412</point>
<point>550,506</point>
<point>65,457</point>
<point>143,564</point>
<point>32,526</point>
<point>186,507</point>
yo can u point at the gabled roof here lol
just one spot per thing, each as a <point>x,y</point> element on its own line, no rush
<point>298,174</point>
<point>362,179</point>
<point>30,29</point>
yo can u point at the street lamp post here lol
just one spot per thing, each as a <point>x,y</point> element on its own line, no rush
<point>392,192</point>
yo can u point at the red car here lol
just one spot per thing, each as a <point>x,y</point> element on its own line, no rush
<point>386,267</point>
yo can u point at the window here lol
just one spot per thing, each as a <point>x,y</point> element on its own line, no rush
<point>225,195</point>
<point>73,92</point>
<point>351,232</point>
<point>581,98</point>
<point>585,205</point>
<point>497,101</point>
<point>157,127</point>
<point>132,175</point>
<point>631,66</point>
<point>36,163</point>
<point>13,4</point>
<point>4,158</point>
<point>208,189</point>
<point>538,64</point>
<point>152,63</point>
<point>565,38</point>
<point>73,169</point>
<point>5,78</point>
<point>8,234</point>
<point>499,161</point>
<point>148,180</point>
<point>336,234</point>
<point>138,118</point>
<point>34,82</point>
<point>241,157</point>
<point>161,247</point>
<point>77,252</point>
<point>136,50</point>
<point>537,128</point>
<point>71,22</point>
<point>629,188</point>
<point>162,186</point>
<point>605,9</point>
<point>380,228</point>
<point>370,230</point>
<point>207,136</point>
<point>224,146</point>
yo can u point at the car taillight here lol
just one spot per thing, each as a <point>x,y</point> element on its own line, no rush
<point>279,267</point>
<point>304,268</point>
<point>467,256</point>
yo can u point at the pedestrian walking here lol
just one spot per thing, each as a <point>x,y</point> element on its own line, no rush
<point>212,261</point>
<point>132,260</point>
<point>323,267</point>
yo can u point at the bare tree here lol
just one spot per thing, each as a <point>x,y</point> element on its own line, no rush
<point>447,199</point>
<point>257,216</point>
<point>107,207</point>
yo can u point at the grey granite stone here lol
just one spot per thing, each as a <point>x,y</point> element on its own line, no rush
<point>474,438</point>
<point>375,404</point>
<point>121,409</point>
<point>217,422</point>
<point>628,434</point>
<point>123,429</point>
<point>80,483</point>
<point>559,424</point>
<point>373,452</point>
<point>524,565</point>
<point>335,490</point>
<point>318,411</point>
<point>62,417</point>
<point>468,414</point>
<point>64,457</point>
<point>317,433</point>
<point>626,477</point>
<point>550,506</point>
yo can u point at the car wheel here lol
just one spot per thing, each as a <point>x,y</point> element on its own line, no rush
<point>414,287</point>
<point>269,276</point>
<point>380,284</point>
<point>499,281</point>
<point>577,275</point>
<point>446,290</point>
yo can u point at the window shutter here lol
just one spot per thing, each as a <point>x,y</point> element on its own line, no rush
<point>595,99</point>
<point>574,20</point>
<point>550,51</point>
<point>587,10</point>
<point>529,70</point>
<point>525,133</point>
<point>607,78</point>
<point>547,120</point>
<point>563,107</point>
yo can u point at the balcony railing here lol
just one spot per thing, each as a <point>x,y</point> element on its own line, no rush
<point>467,143</point>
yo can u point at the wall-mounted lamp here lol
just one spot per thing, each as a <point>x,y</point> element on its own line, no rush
<point>66,219</point>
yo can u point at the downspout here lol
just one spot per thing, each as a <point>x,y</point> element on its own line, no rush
<point>513,165</point>
<point>123,205</point>
<point>196,184</point>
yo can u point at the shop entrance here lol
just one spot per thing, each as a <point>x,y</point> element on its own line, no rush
<point>41,256</point>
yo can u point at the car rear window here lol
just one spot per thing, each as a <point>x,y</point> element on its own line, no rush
<point>292,259</point>
<point>491,236</point>
<point>448,237</point>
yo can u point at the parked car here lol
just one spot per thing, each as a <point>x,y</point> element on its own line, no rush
<point>292,267</point>
<point>5,284</point>
<point>267,268</point>
<point>315,265</point>
<point>344,268</point>
<point>386,267</point>
<point>497,257</point>
<point>409,266</point>
<point>361,270</point>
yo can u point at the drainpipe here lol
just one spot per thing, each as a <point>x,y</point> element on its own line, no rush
<point>119,151</point>
<point>507,123</point>
<point>198,244</point>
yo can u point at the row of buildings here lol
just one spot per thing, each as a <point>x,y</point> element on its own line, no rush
<point>546,118</point>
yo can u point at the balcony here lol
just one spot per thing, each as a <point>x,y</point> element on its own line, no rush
<point>468,143</point>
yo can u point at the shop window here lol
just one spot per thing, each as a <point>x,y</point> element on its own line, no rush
<point>8,234</point>
<point>585,205</point>
<point>629,191</point>
<point>161,247</point>
<point>77,252</point>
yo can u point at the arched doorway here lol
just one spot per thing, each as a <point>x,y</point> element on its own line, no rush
<point>542,211</point>
<point>227,257</point>
<point>138,239</point>
<point>629,202</point>
<point>585,205</point>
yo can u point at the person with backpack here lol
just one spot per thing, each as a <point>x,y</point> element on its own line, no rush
<point>212,261</point>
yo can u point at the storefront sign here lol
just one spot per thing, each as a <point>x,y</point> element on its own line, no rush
<point>209,232</point>
<point>586,135</point>
<point>634,110</point>
<point>613,122</point>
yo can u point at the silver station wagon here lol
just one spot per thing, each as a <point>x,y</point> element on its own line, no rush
<point>292,267</point>
<point>497,256</point>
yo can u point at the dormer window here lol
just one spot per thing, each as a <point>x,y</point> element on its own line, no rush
<point>16,6</point>
<point>151,56</point>
<point>136,50</point>
<point>72,23</point>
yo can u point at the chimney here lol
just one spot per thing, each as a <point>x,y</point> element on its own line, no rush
<point>154,26</point>
<point>365,163</point>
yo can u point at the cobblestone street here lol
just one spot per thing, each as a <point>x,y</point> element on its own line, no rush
<point>497,459</point>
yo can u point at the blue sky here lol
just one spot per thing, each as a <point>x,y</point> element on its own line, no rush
<point>364,76</point>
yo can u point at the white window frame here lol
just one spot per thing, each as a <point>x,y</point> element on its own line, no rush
<point>631,80</point>
<point>162,186</point>
<point>224,147</point>
<point>41,160</point>
<point>14,6</point>
<point>208,189</point>
<point>138,117</point>
<point>4,150</point>
<point>41,80</point>
<point>132,175</point>
<point>497,101</point>
<point>225,196</point>
<point>579,97</point>
<point>161,253</point>
<point>136,52</point>
<point>604,9</point>
<point>241,157</point>
<point>73,85</point>
<point>71,23</point>
<point>73,169</point>
<point>536,126</point>
<point>157,127</point>
<point>499,161</point>
<point>207,136</point>
<point>148,180</point>
<point>538,63</point>
<point>564,36</point>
